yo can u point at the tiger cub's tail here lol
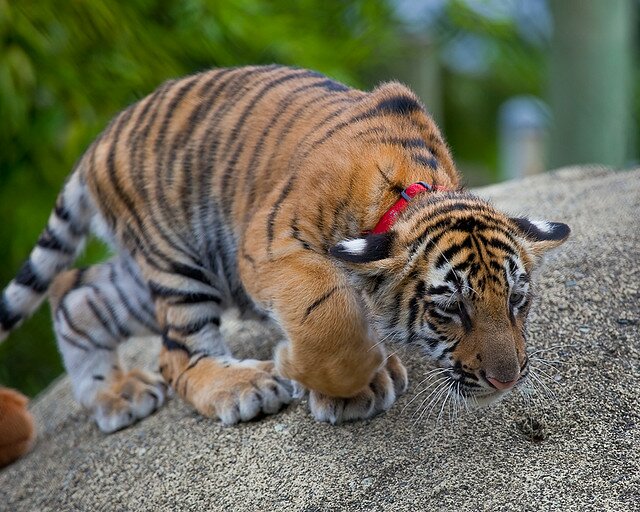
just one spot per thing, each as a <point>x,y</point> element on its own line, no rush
<point>55,251</point>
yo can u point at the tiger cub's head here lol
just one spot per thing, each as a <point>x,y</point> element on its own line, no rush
<point>453,276</point>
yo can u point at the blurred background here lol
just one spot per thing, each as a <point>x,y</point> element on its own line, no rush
<point>517,86</point>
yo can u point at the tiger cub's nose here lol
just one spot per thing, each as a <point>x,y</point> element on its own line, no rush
<point>501,385</point>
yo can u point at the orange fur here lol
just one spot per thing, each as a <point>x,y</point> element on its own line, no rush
<point>17,429</point>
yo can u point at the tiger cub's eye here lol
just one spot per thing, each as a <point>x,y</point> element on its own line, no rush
<point>452,308</point>
<point>516,298</point>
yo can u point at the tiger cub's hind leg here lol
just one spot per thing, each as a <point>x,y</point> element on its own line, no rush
<point>195,359</point>
<point>225,388</point>
<point>94,310</point>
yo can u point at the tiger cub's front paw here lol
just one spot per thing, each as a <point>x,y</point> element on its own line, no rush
<point>389,383</point>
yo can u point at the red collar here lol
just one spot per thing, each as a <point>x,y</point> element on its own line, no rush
<point>390,216</point>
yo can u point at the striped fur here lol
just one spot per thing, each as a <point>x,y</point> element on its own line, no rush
<point>251,187</point>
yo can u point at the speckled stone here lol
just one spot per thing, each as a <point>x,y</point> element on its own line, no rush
<point>575,448</point>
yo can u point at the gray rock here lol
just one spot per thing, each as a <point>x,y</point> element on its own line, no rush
<point>575,447</point>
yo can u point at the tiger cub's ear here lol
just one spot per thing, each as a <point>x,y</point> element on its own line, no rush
<point>543,235</point>
<point>364,250</point>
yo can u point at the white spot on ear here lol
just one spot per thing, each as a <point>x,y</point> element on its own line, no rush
<point>542,225</point>
<point>355,246</point>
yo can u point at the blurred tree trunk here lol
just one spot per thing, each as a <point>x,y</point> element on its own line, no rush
<point>590,81</point>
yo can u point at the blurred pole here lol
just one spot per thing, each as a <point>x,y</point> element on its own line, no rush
<point>590,81</point>
<point>522,138</point>
<point>420,69</point>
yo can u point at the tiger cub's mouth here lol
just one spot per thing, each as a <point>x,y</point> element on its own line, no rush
<point>446,391</point>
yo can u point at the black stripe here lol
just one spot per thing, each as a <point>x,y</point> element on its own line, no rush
<point>452,277</point>
<point>49,240</point>
<point>446,255</point>
<point>266,88</point>
<point>62,308</point>
<point>149,248</point>
<point>197,298</point>
<point>140,133</point>
<point>439,290</point>
<point>401,105</point>
<point>102,319</point>
<point>384,176</point>
<point>203,108</point>
<point>152,326</point>
<point>190,272</point>
<point>192,364</point>
<point>123,331</point>
<point>427,161</point>
<point>194,326</point>
<point>295,233</point>
<point>72,342</point>
<point>332,85</point>
<point>62,213</point>
<point>27,277</point>
<point>126,265</point>
<point>478,250</point>
<point>171,344</point>
<point>417,300</point>
<point>8,320</point>
<point>406,143</point>
<point>494,243</point>
<point>318,302</point>
<point>184,296</point>
<point>271,219</point>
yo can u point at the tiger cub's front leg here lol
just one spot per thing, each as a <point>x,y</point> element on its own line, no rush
<point>386,386</point>
<point>196,362</point>
<point>331,349</point>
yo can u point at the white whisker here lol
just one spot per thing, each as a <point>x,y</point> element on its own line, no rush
<point>438,384</point>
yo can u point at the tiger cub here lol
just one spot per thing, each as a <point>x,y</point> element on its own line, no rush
<point>334,212</point>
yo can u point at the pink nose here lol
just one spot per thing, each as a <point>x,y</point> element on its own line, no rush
<point>498,384</point>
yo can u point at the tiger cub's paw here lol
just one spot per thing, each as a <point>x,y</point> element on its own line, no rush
<point>235,391</point>
<point>389,383</point>
<point>129,397</point>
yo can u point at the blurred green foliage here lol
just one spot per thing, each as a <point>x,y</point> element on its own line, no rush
<point>67,67</point>
<point>514,66</point>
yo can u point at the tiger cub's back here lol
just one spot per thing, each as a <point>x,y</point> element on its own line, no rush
<point>227,136</point>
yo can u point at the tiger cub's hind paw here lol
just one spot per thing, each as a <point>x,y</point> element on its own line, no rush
<point>128,398</point>
<point>389,383</point>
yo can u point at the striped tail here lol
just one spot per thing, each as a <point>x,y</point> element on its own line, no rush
<point>56,249</point>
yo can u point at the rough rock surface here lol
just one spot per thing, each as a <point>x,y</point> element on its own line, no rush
<point>576,449</point>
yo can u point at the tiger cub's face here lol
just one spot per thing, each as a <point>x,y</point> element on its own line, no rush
<point>453,277</point>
